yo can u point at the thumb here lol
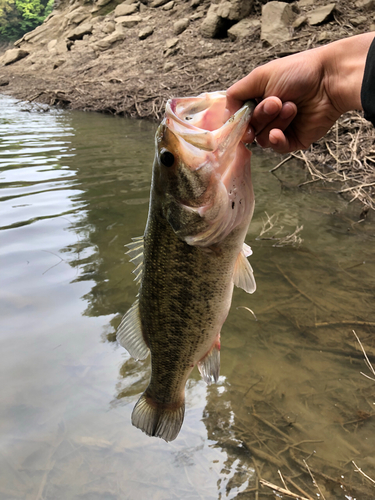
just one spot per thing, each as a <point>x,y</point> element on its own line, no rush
<point>250,87</point>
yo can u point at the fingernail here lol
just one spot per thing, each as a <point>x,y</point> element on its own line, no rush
<point>272,139</point>
<point>286,112</point>
<point>270,108</point>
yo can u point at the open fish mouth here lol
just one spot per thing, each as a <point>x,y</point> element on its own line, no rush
<point>199,123</point>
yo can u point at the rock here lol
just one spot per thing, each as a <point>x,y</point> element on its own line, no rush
<point>213,25</point>
<point>52,45</point>
<point>158,3</point>
<point>180,25</point>
<point>356,21</point>
<point>77,15</point>
<point>244,28</point>
<point>323,36</point>
<point>131,2</point>
<point>194,3</point>
<point>3,82</point>
<point>305,3</point>
<point>277,18</point>
<point>125,10</point>
<point>79,32</point>
<point>108,41</point>
<point>234,10</point>
<point>13,55</point>
<point>145,32</point>
<point>128,21</point>
<point>168,66</point>
<point>109,27</point>
<point>171,42</point>
<point>171,47</point>
<point>321,14</point>
<point>365,4</point>
<point>58,63</point>
<point>168,6</point>
<point>196,15</point>
<point>299,21</point>
<point>101,3</point>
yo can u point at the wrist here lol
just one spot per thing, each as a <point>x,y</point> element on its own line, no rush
<point>344,64</point>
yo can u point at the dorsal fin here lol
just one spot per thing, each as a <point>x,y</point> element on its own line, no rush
<point>243,275</point>
<point>129,333</point>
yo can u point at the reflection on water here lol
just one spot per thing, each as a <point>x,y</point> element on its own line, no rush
<point>74,190</point>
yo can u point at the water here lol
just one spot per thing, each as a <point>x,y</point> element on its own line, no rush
<point>74,190</point>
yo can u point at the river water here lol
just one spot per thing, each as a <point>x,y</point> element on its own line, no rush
<point>74,191</point>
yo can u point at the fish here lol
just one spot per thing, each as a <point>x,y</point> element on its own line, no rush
<point>191,254</point>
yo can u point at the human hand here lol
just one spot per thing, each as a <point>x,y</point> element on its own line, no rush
<point>303,94</point>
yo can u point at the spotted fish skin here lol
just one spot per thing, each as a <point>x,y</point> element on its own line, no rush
<point>191,254</point>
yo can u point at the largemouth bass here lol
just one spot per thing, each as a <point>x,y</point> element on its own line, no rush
<point>191,254</point>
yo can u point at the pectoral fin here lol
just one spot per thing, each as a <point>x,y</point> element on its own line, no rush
<point>243,276</point>
<point>129,333</point>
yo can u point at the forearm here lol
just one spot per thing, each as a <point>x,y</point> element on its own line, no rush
<point>344,64</point>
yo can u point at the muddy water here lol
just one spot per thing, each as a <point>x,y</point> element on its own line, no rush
<point>74,190</point>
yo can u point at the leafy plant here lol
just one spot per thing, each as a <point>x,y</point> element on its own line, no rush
<point>17,17</point>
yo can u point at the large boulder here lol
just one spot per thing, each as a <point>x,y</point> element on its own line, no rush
<point>234,10</point>
<point>13,55</point>
<point>277,19</point>
<point>213,25</point>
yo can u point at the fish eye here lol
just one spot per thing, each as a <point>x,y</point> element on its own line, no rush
<point>167,158</point>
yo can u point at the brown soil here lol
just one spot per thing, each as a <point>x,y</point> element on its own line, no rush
<point>132,78</point>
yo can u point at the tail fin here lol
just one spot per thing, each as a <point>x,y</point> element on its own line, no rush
<point>158,421</point>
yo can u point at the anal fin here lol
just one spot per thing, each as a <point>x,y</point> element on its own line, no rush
<point>243,275</point>
<point>129,333</point>
<point>209,366</point>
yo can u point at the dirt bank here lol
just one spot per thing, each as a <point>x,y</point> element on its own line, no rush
<point>129,58</point>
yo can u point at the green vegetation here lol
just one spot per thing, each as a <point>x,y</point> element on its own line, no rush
<point>17,17</point>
